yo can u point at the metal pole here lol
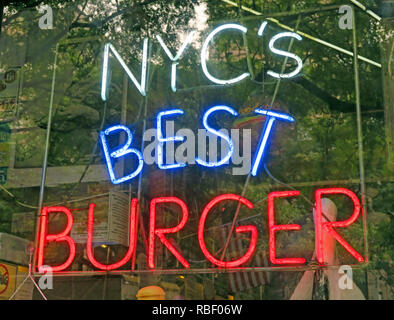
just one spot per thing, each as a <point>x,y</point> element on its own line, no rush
<point>105,286</point>
<point>45,161</point>
<point>31,277</point>
<point>311,267</point>
<point>139,220</point>
<point>123,116</point>
<point>360,141</point>
<point>366,10</point>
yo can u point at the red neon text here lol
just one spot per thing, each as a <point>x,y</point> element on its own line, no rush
<point>44,237</point>
<point>252,229</point>
<point>132,239</point>
<point>329,226</point>
<point>160,233</point>
<point>284,227</point>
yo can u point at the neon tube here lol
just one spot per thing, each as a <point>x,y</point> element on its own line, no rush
<point>286,54</point>
<point>271,117</point>
<point>140,86</point>
<point>219,134</point>
<point>162,140</point>
<point>204,54</point>
<point>124,150</point>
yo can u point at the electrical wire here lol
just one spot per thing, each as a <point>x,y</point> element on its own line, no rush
<point>285,184</point>
<point>17,201</point>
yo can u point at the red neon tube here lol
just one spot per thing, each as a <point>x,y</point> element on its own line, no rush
<point>160,233</point>
<point>132,239</point>
<point>241,229</point>
<point>329,226</point>
<point>283,227</point>
<point>63,236</point>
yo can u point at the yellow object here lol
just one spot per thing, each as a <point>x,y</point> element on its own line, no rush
<point>151,293</point>
<point>7,280</point>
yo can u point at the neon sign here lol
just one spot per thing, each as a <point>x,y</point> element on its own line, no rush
<point>286,54</point>
<point>160,233</point>
<point>163,140</point>
<point>204,54</point>
<point>176,58</point>
<point>219,134</point>
<point>271,117</point>
<point>141,86</point>
<point>121,152</point>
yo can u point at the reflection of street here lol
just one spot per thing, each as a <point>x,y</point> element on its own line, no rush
<point>4,278</point>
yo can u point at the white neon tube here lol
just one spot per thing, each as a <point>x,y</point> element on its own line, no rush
<point>364,8</point>
<point>173,76</point>
<point>286,54</point>
<point>177,56</point>
<point>104,76</point>
<point>140,86</point>
<point>204,54</point>
<point>262,28</point>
